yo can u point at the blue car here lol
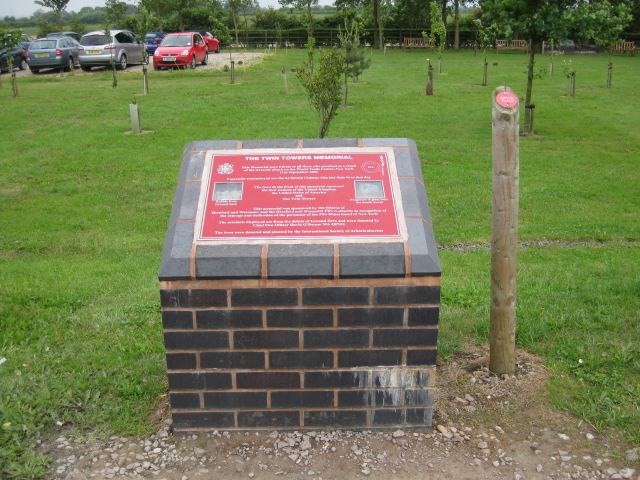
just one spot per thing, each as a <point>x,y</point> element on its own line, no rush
<point>152,40</point>
<point>59,52</point>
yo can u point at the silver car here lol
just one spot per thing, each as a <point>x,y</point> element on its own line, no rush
<point>121,47</point>
<point>60,53</point>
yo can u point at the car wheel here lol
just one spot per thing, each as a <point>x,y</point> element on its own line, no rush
<point>218,49</point>
<point>34,70</point>
<point>70,65</point>
<point>193,61</point>
<point>206,59</point>
<point>85,68</point>
<point>23,64</point>
<point>123,62</point>
<point>155,67</point>
<point>145,58</point>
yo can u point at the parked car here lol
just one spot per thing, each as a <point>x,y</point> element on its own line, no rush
<point>213,44</point>
<point>19,58</point>
<point>180,50</point>
<point>74,35</point>
<point>153,39</point>
<point>57,52</point>
<point>122,47</point>
<point>25,40</point>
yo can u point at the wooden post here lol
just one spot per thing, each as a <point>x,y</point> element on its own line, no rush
<point>573,84</point>
<point>484,74</point>
<point>145,80</point>
<point>284,80</point>
<point>504,230</point>
<point>134,114</point>
<point>609,74</point>
<point>233,76</point>
<point>429,90</point>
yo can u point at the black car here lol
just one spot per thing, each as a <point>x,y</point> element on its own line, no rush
<point>19,58</point>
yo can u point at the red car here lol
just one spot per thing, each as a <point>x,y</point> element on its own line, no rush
<point>213,44</point>
<point>180,50</point>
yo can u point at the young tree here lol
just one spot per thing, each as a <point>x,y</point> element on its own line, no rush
<point>536,21</point>
<point>438,34</point>
<point>485,36</point>
<point>116,11</point>
<point>8,40</point>
<point>56,5</point>
<point>603,23</point>
<point>354,55</point>
<point>236,8</point>
<point>322,81</point>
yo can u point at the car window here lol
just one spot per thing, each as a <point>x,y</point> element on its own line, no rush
<point>95,40</point>
<point>177,41</point>
<point>123,37</point>
<point>42,44</point>
<point>198,38</point>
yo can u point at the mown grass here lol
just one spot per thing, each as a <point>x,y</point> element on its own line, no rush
<point>83,212</point>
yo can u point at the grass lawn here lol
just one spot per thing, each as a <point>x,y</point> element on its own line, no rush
<point>84,209</point>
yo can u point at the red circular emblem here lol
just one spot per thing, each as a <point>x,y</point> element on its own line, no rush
<point>507,99</point>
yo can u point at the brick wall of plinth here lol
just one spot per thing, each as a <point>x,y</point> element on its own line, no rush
<point>282,355</point>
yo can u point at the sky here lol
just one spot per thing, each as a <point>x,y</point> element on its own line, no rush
<point>25,8</point>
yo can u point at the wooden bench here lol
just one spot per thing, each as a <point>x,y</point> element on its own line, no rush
<point>512,45</point>
<point>625,47</point>
<point>416,43</point>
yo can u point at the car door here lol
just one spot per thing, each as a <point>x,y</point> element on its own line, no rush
<point>137,46</point>
<point>200,47</point>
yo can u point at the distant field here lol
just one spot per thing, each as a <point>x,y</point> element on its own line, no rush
<point>84,208</point>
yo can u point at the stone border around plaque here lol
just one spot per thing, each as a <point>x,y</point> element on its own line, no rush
<point>412,253</point>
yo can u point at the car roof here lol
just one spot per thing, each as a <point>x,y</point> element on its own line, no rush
<point>101,32</point>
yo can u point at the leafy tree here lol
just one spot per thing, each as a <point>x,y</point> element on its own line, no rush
<point>271,19</point>
<point>76,25</point>
<point>160,9</point>
<point>322,81</point>
<point>438,33</point>
<point>603,23</point>
<point>238,7</point>
<point>536,21</point>
<point>45,28</point>
<point>116,11</point>
<point>485,35</point>
<point>56,5</point>
<point>9,39</point>
<point>304,6</point>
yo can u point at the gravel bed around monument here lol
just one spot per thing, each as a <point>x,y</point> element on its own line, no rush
<point>486,427</point>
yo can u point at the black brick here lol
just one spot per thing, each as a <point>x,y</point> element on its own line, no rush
<point>400,378</point>
<point>193,298</point>
<point>369,358</point>
<point>337,418</point>
<point>304,317</point>
<point>336,338</point>
<point>419,398</point>
<point>266,339</point>
<point>199,381</point>
<point>335,296</point>
<point>235,400</point>
<point>268,380</point>
<point>202,420</point>
<point>364,317</point>
<point>195,340</point>
<point>268,419</point>
<point>402,416</point>
<point>229,318</point>
<point>301,359</point>
<point>423,316</point>
<point>264,297</point>
<point>406,295</point>
<point>334,379</point>
<point>370,398</point>
<point>302,399</point>
<point>181,361</point>
<point>184,400</point>
<point>421,357</point>
<point>235,360</point>
<point>178,319</point>
<point>405,337</point>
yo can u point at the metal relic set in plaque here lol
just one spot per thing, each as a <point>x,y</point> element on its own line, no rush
<point>300,287</point>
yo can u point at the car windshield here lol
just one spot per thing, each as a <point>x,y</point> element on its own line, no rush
<point>177,41</point>
<point>95,40</point>
<point>42,44</point>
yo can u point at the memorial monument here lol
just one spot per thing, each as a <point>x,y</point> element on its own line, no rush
<point>300,287</point>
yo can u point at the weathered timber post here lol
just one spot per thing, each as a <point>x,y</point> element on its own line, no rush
<point>429,90</point>
<point>284,80</point>
<point>504,230</point>
<point>233,68</point>
<point>484,74</point>
<point>145,80</point>
<point>609,73</point>
<point>573,84</point>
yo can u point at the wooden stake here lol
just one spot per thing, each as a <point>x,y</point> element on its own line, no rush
<point>504,231</point>
<point>233,76</point>
<point>145,80</point>
<point>429,90</point>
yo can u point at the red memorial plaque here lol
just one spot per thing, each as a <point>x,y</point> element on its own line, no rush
<point>507,99</point>
<point>299,195</point>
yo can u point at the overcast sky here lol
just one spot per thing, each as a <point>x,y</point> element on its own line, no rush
<point>25,8</point>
